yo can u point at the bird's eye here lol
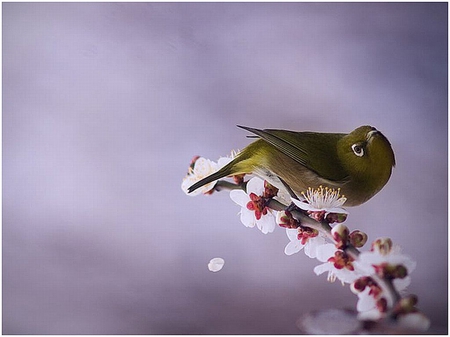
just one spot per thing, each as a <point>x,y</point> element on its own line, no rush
<point>358,150</point>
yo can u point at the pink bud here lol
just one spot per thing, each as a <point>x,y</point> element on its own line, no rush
<point>382,246</point>
<point>358,238</point>
<point>340,235</point>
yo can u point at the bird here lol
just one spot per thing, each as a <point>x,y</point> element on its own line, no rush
<point>358,164</point>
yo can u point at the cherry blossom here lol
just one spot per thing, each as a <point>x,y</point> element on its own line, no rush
<point>322,202</point>
<point>303,238</point>
<point>200,168</point>
<point>254,210</point>
<point>337,264</point>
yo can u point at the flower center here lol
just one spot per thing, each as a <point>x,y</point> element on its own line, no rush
<point>324,197</point>
<point>305,233</point>
<point>258,205</point>
<point>341,260</point>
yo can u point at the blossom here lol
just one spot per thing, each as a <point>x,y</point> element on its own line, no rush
<point>358,238</point>
<point>307,238</point>
<point>337,263</point>
<point>386,261</point>
<point>254,210</point>
<point>340,235</point>
<point>393,264</point>
<point>201,168</point>
<point>216,264</point>
<point>367,306</point>
<point>322,202</point>
<point>372,306</point>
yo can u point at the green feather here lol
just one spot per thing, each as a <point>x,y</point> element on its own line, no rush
<point>316,151</point>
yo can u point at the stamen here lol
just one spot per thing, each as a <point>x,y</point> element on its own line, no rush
<point>324,197</point>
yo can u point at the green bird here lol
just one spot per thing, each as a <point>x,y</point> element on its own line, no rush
<point>358,163</point>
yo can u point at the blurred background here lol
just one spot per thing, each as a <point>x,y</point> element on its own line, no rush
<point>105,104</point>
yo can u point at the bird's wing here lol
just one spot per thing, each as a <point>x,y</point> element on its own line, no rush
<point>315,151</point>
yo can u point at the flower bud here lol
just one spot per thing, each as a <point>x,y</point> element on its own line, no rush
<point>336,217</point>
<point>382,305</point>
<point>358,238</point>
<point>359,285</point>
<point>341,260</point>
<point>340,235</point>
<point>400,271</point>
<point>286,220</point>
<point>406,304</point>
<point>382,245</point>
<point>270,191</point>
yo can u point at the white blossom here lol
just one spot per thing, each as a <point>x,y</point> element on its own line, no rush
<point>322,199</point>
<point>310,245</point>
<point>327,254</point>
<point>201,168</point>
<point>367,261</point>
<point>380,261</point>
<point>253,211</point>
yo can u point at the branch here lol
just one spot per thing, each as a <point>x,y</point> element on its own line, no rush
<point>350,250</point>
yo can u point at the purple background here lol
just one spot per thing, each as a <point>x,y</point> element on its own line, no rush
<point>104,106</point>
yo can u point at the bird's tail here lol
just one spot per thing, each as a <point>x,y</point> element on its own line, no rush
<point>223,172</point>
<point>244,162</point>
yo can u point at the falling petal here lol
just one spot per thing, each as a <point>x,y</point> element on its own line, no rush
<point>216,264</point>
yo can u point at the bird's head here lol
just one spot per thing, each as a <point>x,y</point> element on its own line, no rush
<point>367,156</point>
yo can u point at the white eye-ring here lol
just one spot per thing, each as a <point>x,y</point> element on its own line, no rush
<point>358,150</point>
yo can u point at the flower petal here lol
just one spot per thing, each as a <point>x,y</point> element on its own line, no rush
<point>345,275</point>
<point>255,185</point>
<point>204,167</point>
<point>216,264</point>
<point>248,218</point>
<point>302,205</point>
<point>292,234</point>
<point>188,181</point>
<point>365,301</point>
<point>267,223</point>
<point>313,245</point>
<point>322,268</point>
<point>324,252</point>
<point>293,247</point>
<point>239,197</point>
<point>402,284</point>
<point>336,210</point>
